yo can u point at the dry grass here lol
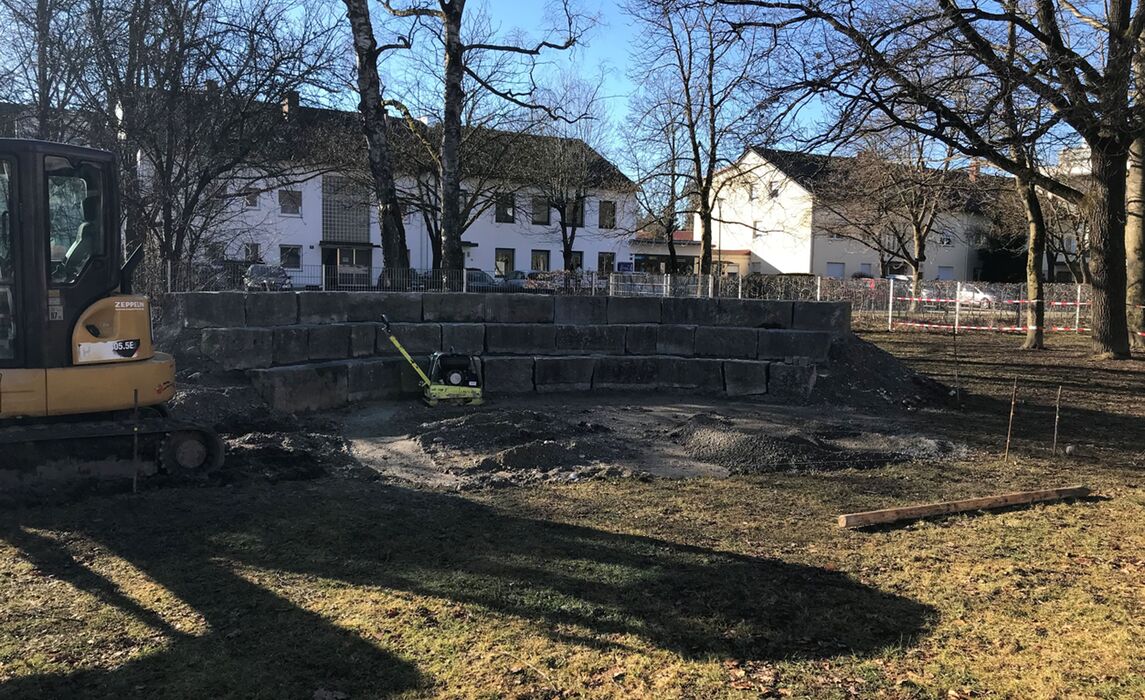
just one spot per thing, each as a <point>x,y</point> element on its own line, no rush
<point>731,588</point>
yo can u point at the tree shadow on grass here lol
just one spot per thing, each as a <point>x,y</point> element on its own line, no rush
<point>579,585</point>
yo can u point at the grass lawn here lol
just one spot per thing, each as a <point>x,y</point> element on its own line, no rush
<point>704,588</point>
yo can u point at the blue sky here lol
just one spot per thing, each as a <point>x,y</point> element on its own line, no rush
<point>605,50</point>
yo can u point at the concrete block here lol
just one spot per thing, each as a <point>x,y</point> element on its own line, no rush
<point>607,340</point>
<point>745,377</point>
<point>520,339</point>
<point>417,338</point>
<point>783,345</point>
<point>409,379</point>
<point>563,373</point>
<point>467,338</point>
<point>793,382</point>
<point>362,339</point>
<point>834,316</point>
<point>676,340</point>
<point>330,341</point>
<point>728,343</point>
<point>239,348</point>
<point>641,339</point>
<point>580,311</point>
<point>754,313</point>
<point>518,308</point>
<point>323,307</point>
<point>689,311</point>
<point>397,306</point>
<point>453,308</point>
<point>508,375</point>
<point>371,380</point>
<point>701,375</point>
<point>626,372</point>
<point>300,388</point>
<point>291,345</point>
<point>634,309</point>
<point>211,309</point>
<point>271,308</point>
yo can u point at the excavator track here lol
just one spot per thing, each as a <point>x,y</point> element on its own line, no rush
<point>106,448</point>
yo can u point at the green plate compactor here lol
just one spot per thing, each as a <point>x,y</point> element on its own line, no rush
<point>453,377</point>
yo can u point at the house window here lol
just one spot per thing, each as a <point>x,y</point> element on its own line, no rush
<point>540,211</point>
<point>751,193</point>
<point>506,208</point>
<point>576,216</point>
<point>250,199</point>
<point>607,214</point>
<point>945,272</point>
<point>836,270</point>
<point>539,261</point>
<point>290,202</point>
<point>605,262</point>
<point>578,260</point>
<point>252,252</point>
<point>757,229</point>
<point>865,269</point>
<point>504,261</point>
<point>290,256</point>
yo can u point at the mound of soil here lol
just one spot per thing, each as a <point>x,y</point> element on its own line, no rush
<point>497,429</point>
<point>863,375</point>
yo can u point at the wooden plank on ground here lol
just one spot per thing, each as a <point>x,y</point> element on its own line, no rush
<point>890,515</point>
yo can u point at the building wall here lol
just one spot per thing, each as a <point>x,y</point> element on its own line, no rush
<point>268,226</point>
<point>772,216</point>
<point>765,212</point>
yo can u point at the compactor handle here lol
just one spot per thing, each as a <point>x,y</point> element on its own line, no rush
<point>386,325</point>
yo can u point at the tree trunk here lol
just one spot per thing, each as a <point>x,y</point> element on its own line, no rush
<point>915,283</point>
<point>1135,244</point>
<point>705,240</point>
<point>568,238</point>
<point>1106,210</point>
<point>1035,251</point>
<point>673,264</point>
<point>395,254</point>
<point>453,257</point>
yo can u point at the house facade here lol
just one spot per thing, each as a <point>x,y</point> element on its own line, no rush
<point>767,220</point>
<point>324,230</point>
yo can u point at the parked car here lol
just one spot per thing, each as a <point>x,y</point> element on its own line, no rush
<point>975,296</point>
<point>269,278</point>
<point>477,280</point>
<point>515,280</point>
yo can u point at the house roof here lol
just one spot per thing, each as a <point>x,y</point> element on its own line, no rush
<point>805,169</point>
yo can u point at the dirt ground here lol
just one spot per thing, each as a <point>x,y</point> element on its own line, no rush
<point>623,547</point>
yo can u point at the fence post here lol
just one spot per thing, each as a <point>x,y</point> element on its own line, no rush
<point>711,286</point>
<point>464,281</point>
<point>612,284</point>
<point>740,278</point>
<point>891,306</point>
<point>957,305</point>
<point>665,281</point>
<point>818,288</point>
<point>1077,312</point>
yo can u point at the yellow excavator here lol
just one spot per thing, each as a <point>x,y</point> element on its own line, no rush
<point>76,355</point>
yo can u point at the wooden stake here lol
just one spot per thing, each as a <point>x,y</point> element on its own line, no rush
<point>1057,421</point>
<point>135,447</point>
<point>890,515</point>
<point>1010,429</point>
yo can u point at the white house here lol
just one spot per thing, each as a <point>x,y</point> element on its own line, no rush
<point>767,220</point>
<point>323,230</point>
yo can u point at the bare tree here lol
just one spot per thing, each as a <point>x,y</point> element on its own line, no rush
<point>200,102</point>
<point>882,57</point>
<point>706,74</point>
<point>376,125</point>
<point>448,18</point>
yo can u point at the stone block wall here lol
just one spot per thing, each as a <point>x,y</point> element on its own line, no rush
<point>318,350</point>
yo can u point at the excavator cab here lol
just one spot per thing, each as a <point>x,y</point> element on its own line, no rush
<point>75,342</point>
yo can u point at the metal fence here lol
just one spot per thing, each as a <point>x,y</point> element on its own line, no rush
<point>891,304</point>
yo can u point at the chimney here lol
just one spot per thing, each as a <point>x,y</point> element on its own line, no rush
<point>290,103</point>
<point>974,170</point>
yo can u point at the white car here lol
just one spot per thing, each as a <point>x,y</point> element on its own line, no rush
<point>974,296</point>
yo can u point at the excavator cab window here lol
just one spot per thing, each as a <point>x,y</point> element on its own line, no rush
<point>7,264</point>
<point>75,217</point>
